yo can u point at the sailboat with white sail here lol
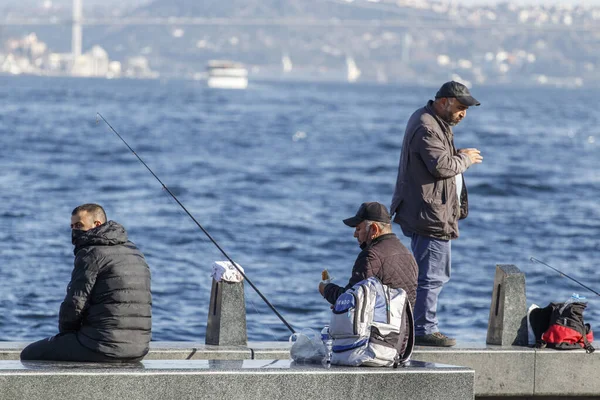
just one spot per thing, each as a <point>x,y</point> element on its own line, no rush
<point>353,73</point>
<point>286,63</point>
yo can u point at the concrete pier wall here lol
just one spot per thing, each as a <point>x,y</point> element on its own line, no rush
<point>230,379</point>
<point>503,371</point>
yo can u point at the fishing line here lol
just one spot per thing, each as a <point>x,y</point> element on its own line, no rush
<point>260,314</point>
<point>200,226</point>
<point>563,274</point>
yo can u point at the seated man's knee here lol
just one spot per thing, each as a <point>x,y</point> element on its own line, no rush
<point>33,351</point>
<point>27,353</point>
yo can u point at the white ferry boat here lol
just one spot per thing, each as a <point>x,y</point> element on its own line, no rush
<point>226,75</point>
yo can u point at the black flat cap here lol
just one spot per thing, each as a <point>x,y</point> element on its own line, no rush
<point>457,91</point>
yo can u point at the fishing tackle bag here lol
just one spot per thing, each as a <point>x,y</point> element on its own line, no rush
<point>372,325</point>
<point>561,326</point>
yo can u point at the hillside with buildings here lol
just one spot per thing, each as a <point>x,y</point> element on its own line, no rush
<point>356,40</point>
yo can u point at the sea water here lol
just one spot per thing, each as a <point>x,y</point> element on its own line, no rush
<point>270,172</point>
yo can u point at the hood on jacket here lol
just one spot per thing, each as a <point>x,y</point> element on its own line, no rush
<point>108,234</point>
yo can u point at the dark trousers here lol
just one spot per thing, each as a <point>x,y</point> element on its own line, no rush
<point>65,347</point>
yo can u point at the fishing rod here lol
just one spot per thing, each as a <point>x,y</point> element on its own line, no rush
<point>532,259</point>
<point>201,227</point>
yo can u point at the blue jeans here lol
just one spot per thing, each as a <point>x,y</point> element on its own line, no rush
<point>433,258</point>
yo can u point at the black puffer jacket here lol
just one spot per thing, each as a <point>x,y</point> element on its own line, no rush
<point>387,259</point>
<point>108,301</point>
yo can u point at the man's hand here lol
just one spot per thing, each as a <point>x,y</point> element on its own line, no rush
<point>322,288</point>
<point>473,154</point>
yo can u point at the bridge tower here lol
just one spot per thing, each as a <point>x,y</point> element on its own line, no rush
<point>76,34</point>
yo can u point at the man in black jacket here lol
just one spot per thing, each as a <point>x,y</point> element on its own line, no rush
<point>382,255</point>
<point>106,314</point>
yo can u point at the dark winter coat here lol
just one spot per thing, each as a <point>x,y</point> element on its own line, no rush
<point>425,200</point>
<point>108,302</point>
<point>387,259</point>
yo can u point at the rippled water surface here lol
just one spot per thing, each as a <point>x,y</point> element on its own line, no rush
<point>270,172</point>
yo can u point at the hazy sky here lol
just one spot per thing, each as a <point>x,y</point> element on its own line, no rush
<point>133,3</point>
<point>137,2</point>
<point>528,2</point>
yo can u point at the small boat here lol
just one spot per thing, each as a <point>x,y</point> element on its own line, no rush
<point>226,75</point>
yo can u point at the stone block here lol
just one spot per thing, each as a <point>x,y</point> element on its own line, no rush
<point>226,324</point>
<point>508,312</point>
<point>244,379</point>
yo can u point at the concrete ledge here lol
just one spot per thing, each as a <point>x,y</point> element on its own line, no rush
<point>198,351</point>
<point>514,371</point>
<point>499,371</point>
<point>171,351</point>
<point>556,370</point>
<point>228,379</point>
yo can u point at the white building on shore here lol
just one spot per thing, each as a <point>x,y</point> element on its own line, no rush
<point>29,55</point>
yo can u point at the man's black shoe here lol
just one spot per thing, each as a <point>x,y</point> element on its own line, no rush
<point>436,339</point>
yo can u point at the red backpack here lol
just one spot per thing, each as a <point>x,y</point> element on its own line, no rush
<point>560,326</point>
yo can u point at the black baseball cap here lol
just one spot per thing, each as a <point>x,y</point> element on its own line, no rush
<point>457,91</point>
<point>371,211</point>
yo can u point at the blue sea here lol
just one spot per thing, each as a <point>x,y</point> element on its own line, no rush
<point>270,172</point>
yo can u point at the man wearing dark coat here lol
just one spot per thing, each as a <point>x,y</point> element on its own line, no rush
<point>382,255</point>
<point>431,197</point>
<point>106,313</point>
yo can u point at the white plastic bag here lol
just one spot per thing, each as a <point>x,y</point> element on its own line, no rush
<point>530,334</point>
<point>307,347</point>
<point>225,271</point>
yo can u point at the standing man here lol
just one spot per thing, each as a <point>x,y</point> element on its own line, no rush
<point>106,314</point>
<point>431,196</point>
<point>382,255</point>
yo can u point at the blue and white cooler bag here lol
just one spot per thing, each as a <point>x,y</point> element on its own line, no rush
<point>372,325</point>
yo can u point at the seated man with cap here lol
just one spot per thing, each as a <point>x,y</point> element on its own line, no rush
<point>382,255</point>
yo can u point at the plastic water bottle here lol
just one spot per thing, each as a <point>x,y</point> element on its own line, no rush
<point>574,298</point>
<point>327,341</point>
